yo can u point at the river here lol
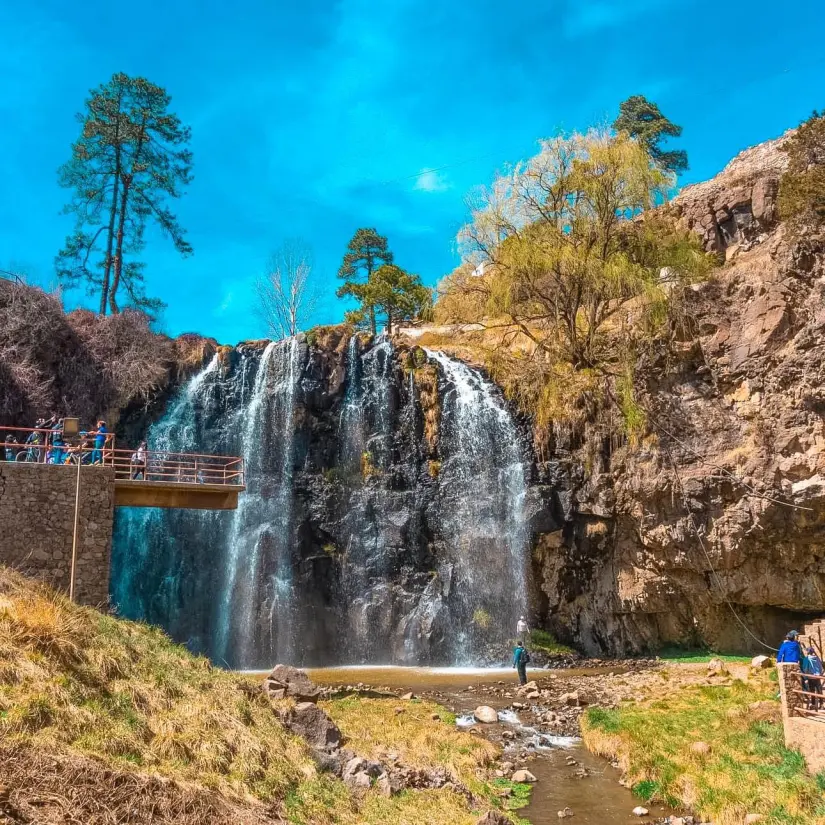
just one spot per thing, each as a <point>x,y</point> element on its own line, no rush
<point>568,775</point>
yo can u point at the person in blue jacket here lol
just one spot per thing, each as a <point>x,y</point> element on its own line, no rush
<point>521,659</point>
<point>100,442</point>
<point>812,666</point>
<point>790,650</point>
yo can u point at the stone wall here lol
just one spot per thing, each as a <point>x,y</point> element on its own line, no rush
<point>37,518</point>
<point>805,735</point>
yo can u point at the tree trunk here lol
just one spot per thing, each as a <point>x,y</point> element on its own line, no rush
<point>389,322</point>
<point>124,200</point>
<point>107,266</point>
<point>373,326</point>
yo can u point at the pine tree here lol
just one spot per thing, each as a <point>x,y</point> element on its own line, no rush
<point>643,120</point>
<point>365,253</point>
<point>130,158</point>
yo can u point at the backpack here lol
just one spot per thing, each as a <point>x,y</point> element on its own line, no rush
<point>525,657</point>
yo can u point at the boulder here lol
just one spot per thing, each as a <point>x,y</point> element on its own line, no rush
<point>565,813</point>
<point>310,722</point>
<point>285,680</point>
<point>485,714</point>
<point>523,776</point>
<point>570,699</point>
<point>717,667</point>
<point>383,785</point>
<point>494,818</point>
<point>640,811</point>
<point>408,696</point>
<point>761,662</point>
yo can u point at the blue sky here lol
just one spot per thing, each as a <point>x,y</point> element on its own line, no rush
<point>311,119</point>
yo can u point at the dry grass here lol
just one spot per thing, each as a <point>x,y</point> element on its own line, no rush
<point>375,728</point>
<point>105,721</point>
<point>748,769</point>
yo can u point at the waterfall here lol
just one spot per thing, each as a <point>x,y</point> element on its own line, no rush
<point>366,450</point>
<point>482,494</point>
<point>257,568</point>
<point>136,528</point>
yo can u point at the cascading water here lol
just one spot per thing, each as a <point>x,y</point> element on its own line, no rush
<point>232,569</point>
<point>360,537</point>
<point>366,453</point>
<point>262,523</point>
<point>482,496</point>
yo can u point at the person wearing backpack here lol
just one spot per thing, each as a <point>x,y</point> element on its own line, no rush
<point>521,658</point>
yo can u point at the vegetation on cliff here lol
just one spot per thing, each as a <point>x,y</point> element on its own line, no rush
<point>79,363</point>
<point>109,719</point>
<point>718,750</point>
<point>573,282</point>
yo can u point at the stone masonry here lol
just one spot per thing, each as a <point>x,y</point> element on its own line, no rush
<point>806,735</point>
<point>37,520</point>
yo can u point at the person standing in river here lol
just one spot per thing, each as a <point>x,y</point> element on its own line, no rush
<point>521,658</point>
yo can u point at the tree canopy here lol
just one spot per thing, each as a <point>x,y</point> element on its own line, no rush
<point>130,159</point>
<point>642,119</point>
<point>366,251</point>
<point>570,267</point>
<point>392,292</point>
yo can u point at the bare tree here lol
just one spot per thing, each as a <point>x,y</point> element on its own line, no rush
<point>286,294</point>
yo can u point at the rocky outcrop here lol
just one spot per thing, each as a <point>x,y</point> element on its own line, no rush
<point>712,530</point>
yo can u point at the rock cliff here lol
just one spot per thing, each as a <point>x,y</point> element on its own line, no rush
<point>734,453</point>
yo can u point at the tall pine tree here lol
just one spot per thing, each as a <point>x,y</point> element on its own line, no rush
<point>642,119</point>
<point>365,253</point>
<point>132,156</point>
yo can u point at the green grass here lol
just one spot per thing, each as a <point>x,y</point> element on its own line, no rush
<point>545,642</point>
<point>748,769</point>
<point>681,655</point>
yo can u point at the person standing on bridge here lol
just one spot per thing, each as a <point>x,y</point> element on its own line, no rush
<point>139,462</point>
<point>100,434</point>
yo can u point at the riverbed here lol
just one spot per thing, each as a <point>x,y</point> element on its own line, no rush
<point>568,775</point>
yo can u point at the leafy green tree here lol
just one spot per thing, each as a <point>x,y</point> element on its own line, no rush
<point>365,253</point>
<point>802,187</point>
<point>131,157</point>
<point>560,263</point>
<point>397,294</point>
<point>642,119</point>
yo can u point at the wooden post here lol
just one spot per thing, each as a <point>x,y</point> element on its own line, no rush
<point>76,521</point>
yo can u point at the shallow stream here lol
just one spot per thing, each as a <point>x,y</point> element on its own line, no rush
<point>595,799</point>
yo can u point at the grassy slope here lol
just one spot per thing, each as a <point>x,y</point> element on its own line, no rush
<point>86,695</point>
<point>748,769</point>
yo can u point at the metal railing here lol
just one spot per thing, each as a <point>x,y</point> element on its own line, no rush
<point>47,446</point>
<point>811,691</point>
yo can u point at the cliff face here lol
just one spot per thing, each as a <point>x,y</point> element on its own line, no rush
<point>735,453</point>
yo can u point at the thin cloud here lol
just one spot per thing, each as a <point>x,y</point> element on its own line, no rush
<point>431,181</point>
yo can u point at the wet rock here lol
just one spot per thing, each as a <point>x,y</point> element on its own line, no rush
<point>312,724</point>
<point>523,776</point>
<point>285,680</point>
<point>485,714</point>
<point>640,811</point>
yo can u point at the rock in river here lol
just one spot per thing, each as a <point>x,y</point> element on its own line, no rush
<point>486,714</point>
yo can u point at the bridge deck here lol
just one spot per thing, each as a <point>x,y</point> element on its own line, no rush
<point>129,493</point>
<point>142,478</point>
